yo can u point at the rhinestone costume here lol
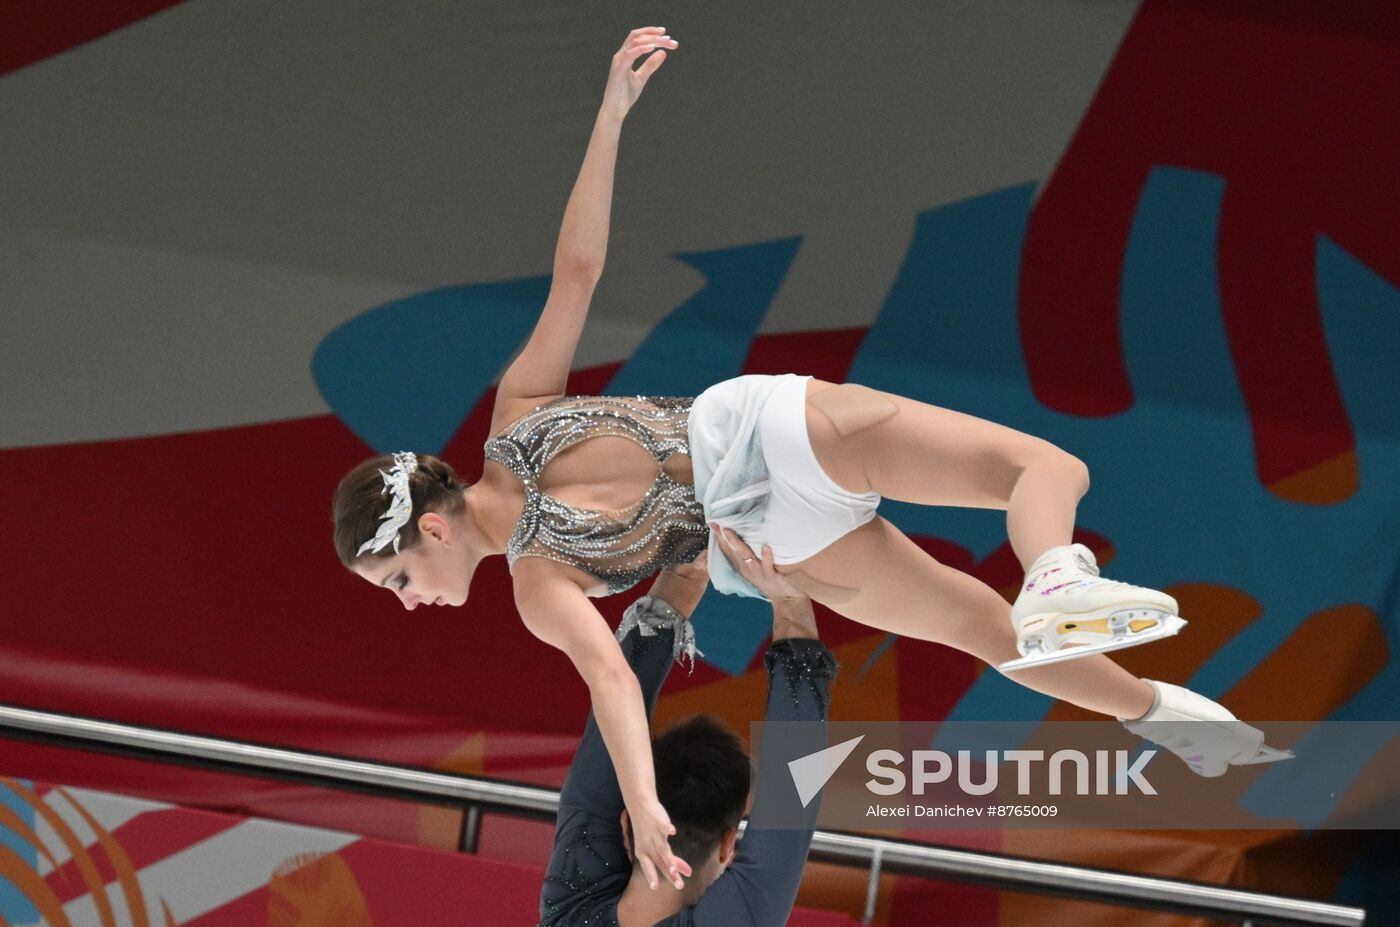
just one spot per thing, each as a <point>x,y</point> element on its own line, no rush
<point>619,547</point>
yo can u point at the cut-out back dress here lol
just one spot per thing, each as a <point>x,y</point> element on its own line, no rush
<point>620,548</point>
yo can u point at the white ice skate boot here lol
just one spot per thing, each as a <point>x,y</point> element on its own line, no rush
<point>1201,732</point>
<point>1066,610</point>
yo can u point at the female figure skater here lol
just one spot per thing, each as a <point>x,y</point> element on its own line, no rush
<point>587,495</point>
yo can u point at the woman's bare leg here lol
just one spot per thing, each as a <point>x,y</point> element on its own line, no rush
<point>914,452</point>
<point>877,576</point>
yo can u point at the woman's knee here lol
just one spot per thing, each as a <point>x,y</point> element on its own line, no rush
<point>1063,466</point>
<point>1076,472</point>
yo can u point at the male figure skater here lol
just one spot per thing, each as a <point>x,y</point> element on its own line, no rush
<point>702,779</point>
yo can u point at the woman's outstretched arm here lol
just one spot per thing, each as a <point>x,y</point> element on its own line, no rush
<point>541,370</point>
<point>557,612</point>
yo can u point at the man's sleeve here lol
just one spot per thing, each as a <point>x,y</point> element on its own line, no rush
<point>587,835</point>
<point>760,885</point>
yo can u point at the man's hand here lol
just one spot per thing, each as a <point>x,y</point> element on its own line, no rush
<point>682,585</point>
<point>697,570</point>
<point>792,608</point>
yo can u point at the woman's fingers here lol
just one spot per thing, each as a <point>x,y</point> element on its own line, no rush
<point>631,53</point>
<point>649,66</point>
<point>648,869</point>
<point>643,34</point>
<point>649,41</point>
<point>667,864</point>
<point>647,35</point>
<point>673,869</point>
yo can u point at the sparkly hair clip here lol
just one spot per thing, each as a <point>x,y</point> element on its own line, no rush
<point>400,504</point>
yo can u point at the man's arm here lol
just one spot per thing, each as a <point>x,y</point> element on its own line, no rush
<point>590,802</point>
<point>760,885</point>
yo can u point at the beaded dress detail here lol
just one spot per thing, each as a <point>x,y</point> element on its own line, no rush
<point>619,547</point>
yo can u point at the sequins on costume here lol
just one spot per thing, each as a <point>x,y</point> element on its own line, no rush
<point>622,547</point>
<point>802,662</point>
<point>588,874</point>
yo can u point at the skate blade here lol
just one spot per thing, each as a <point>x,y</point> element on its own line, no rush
<point>1267,754</point>
<point>1168,628</point>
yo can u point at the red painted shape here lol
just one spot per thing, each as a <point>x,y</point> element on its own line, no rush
<point>31,32</point>
<point>242,911</point>
<point>181,581</point>
<point>465,889</point>
<point>220,792</point>
<point>147,838</point>
<point>1286,101</point>
<point>826,355</point>
<point>965,905</point>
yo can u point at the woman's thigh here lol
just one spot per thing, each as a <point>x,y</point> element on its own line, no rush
<point>879,577</point>
<point>868,440</point>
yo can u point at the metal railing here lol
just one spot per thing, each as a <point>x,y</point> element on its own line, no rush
<point>478,795</point>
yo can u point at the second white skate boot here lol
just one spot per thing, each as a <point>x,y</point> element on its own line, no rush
<point>1066,610</point>
<point>1203,733</point>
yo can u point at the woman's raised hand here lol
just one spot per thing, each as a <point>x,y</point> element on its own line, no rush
<point>625,81</point>
<point>651,828</point>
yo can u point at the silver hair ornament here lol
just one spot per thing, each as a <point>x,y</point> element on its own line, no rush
<point>400,504</point>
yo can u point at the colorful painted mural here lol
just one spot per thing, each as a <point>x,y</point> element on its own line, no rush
<point>241,249</point>
<point>74,857</point>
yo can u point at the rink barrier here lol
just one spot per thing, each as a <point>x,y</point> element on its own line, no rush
<point>478,795</point>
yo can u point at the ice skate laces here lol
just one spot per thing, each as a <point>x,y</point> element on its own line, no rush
<point>1087,565</point>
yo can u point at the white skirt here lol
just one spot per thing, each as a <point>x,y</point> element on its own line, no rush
<point>755,473</point>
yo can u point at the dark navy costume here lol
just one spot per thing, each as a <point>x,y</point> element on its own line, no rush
<point>589,868</point>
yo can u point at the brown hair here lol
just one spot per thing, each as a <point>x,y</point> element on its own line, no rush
<point>360,503</point>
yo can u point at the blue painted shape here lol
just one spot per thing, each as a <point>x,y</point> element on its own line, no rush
<point>14,907</point>
<point>730,629</point>
<point>404,376</point>
<point>1174,481</point>
<point>706,339</point>
<point>948,335</point>
<point>1361,319</point>
<point>1308,792</point>
<point>1362,314</point>
<point>1169,285</point>
<point>951,314</point>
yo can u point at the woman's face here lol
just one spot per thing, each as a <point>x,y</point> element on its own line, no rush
<point>431,573</point>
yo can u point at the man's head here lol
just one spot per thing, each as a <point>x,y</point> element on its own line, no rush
<point>702,780</point>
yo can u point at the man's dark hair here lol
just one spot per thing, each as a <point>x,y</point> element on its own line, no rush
<point>702,780</point>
